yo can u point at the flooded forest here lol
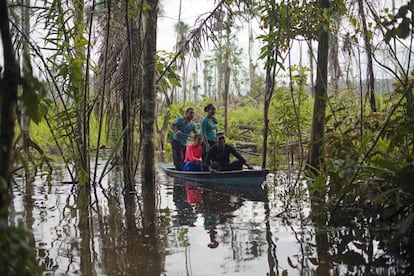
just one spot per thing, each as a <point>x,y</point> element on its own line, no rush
<point>318,95</point>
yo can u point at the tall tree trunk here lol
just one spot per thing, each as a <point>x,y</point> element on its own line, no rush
<point>162,132</point>
<point>8,101</point>
<point>334,61</point>
<point>269,88</point>
<point>311,55</point>
<point>27,70</point>
<point>205,80</point>
<point>316,151</point>
<point>368,48</point>
<point>226,98</point>
<point>148,99</point>
<point>80,91</point>
<point>130,97</point>
<point>250,53</point>
<point>226,90</point>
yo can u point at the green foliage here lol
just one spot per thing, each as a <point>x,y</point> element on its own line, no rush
<point>33,98</point>
<point>401,24</point>
<point>41,134</point>
<point>94,132</point>
<point>282,114</point>
<point>246,115</point>
<point>372,173</point>
<point>292,20</point>
<point>167,71</point>
<point>16,255</point>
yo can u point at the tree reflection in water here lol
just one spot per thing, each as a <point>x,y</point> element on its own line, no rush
<point>196,230</point>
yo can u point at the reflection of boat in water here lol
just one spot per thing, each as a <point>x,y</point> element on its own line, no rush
<point>251,193</point>
<point>195,189</point>
<point>243,178</point>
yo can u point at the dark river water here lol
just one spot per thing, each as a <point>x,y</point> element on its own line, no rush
<point>196,231</point>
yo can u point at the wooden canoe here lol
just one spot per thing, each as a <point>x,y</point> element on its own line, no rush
<point>246,178</point>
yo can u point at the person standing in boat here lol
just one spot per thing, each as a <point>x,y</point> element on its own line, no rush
<point>208,128</point>
<point>192,161</point>
<point>218,157</point>
<point>182,127</point>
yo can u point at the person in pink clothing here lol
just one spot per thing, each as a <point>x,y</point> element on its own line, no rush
<point>192,161</point>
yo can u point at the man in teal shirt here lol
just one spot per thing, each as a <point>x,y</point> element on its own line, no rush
<point>182,127</point>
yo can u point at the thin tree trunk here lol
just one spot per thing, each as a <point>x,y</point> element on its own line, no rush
<point>334,62</point>
<point>368,48</point>
<point>226,90</point>
<point>226,98</point>
<point>162,132</point>
<point>8,101</point>
<point>269,88</point>
<point>130,98</point>
<point>250,53</point>
<point>316,151</point>
<point>79,86</point>
<point>311,56</point>
<point>148,99</point>
<point>27,70</point>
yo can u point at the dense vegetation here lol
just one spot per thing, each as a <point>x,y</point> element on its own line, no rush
<point>355,146</point>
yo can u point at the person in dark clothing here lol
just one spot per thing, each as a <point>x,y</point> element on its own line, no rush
<point>218,157</point>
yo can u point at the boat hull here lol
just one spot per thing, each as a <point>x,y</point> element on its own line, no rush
<point>245,178</point>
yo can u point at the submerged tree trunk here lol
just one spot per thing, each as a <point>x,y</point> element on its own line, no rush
<point>316,151</point>
<point>148,99</point>
<point>9,80</point>
<point>81,90</point>
<point>27,70</point>
<point>269,88</point>
<point>132,90</point>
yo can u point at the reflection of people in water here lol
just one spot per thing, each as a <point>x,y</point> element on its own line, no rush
<point>216,211</point>
<point>213,242</point>
<point>185,212</point>
<point>194,193</point>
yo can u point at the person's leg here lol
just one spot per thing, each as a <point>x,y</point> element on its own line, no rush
<point>178,151</point>
<point>203,151</point>
<point>204,148</point>
<point>198,167</point>
<point>195,166</point>
<point>192,166</point>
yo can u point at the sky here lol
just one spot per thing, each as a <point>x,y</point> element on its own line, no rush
<point>190,11</point>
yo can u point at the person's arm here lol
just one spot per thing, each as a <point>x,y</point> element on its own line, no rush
<point>207,161</point>
<point>195,129</point>
<point>174,126</point>
<point>203,132</point>
<point>238,156</point>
